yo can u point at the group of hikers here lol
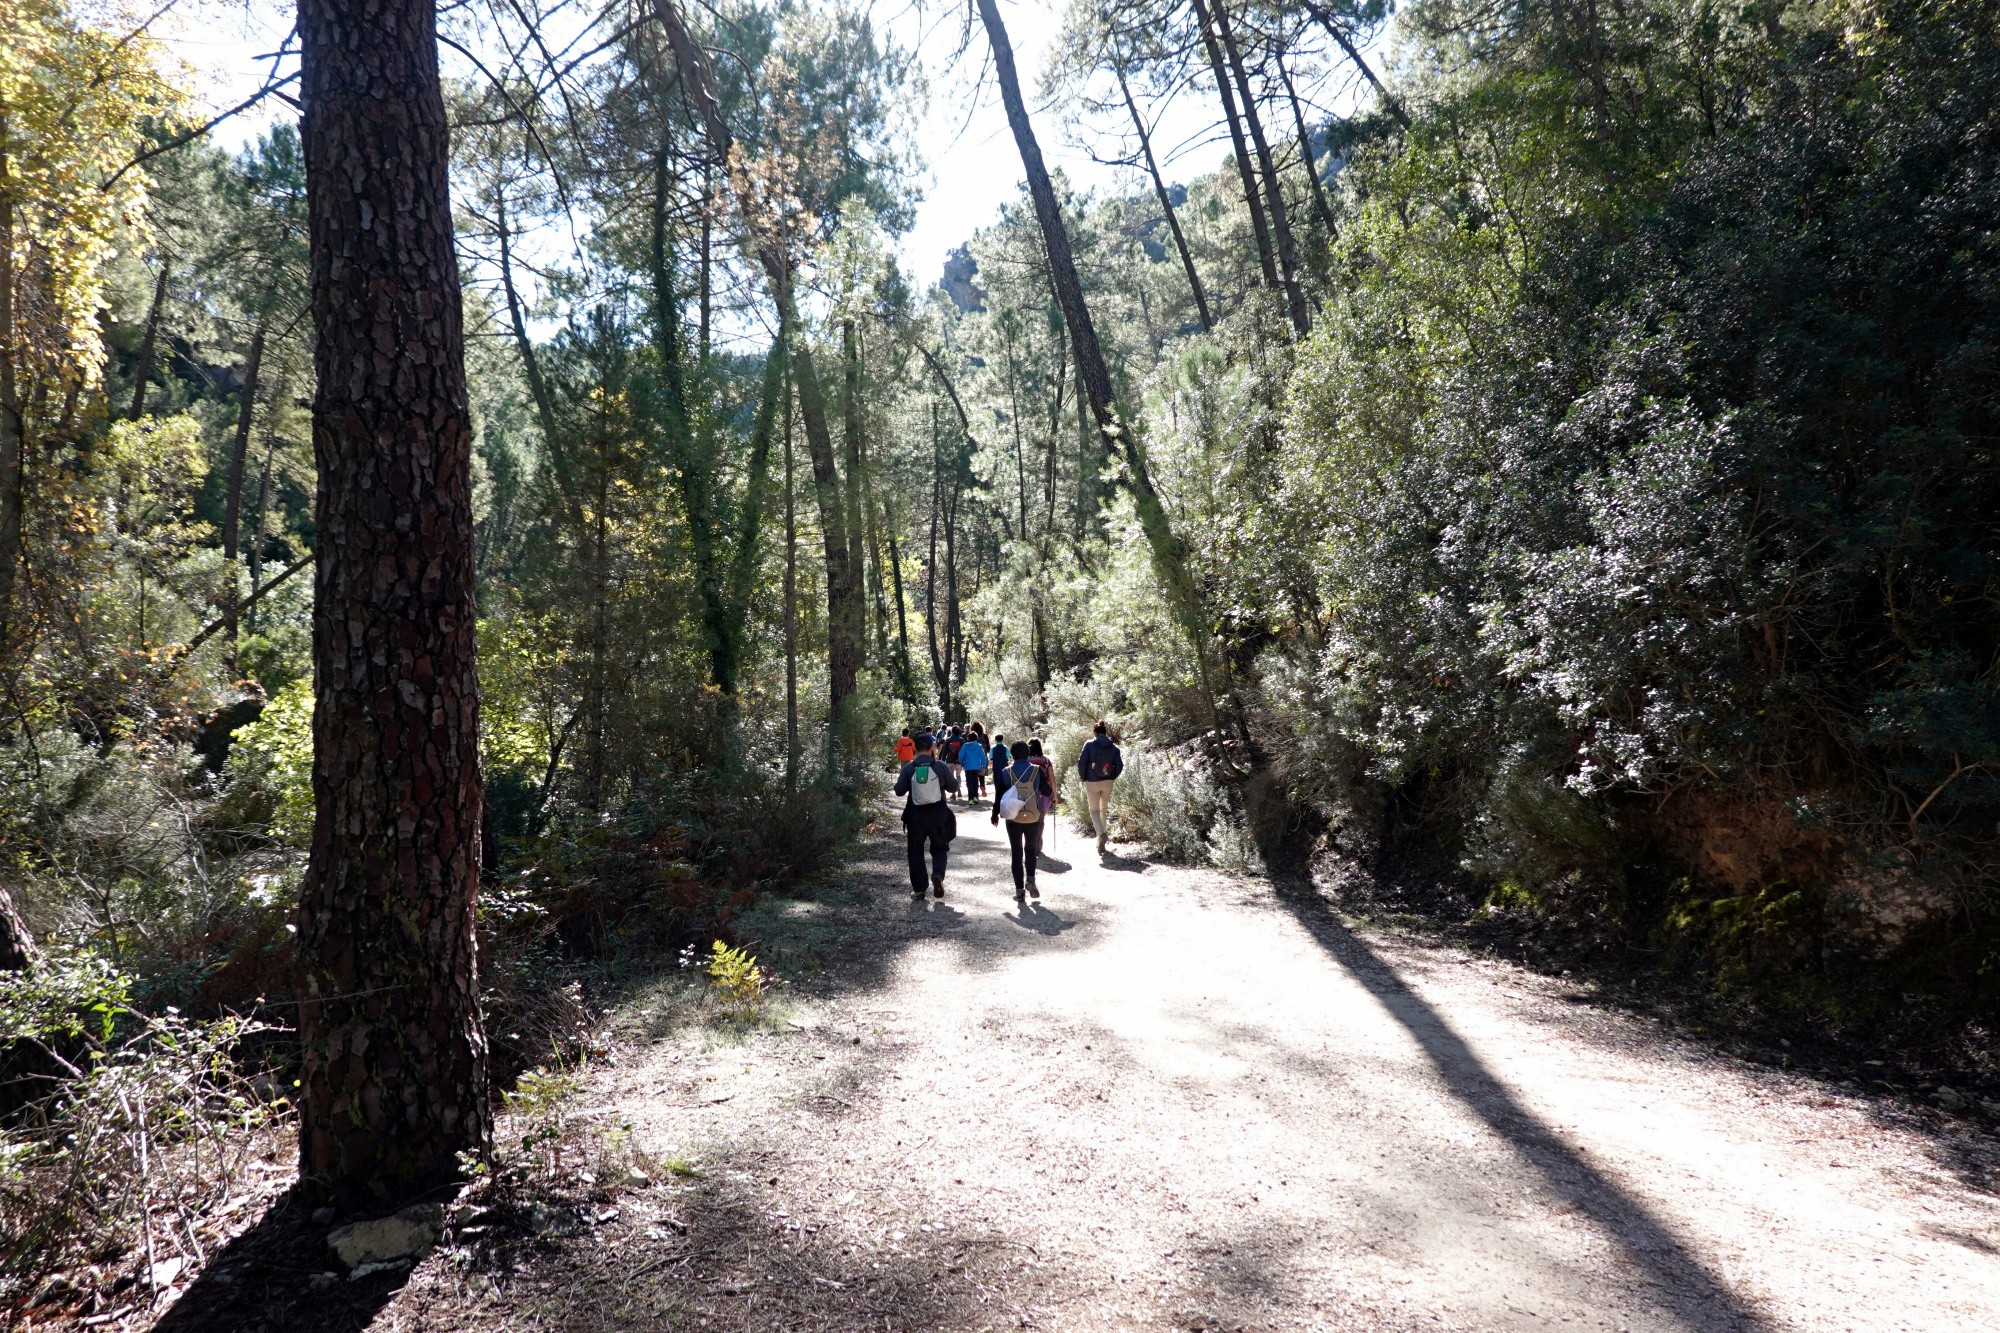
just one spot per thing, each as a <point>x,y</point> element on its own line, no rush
<point>932,771</point>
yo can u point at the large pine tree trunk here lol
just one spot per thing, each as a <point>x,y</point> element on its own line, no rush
<point>1119,438</point>
<point>393,1061</point>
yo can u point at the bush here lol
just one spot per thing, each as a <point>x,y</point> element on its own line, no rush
<point>143,1129</point>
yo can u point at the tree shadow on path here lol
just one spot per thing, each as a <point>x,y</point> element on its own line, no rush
<point>1687,1289</point>
<point>278,1276</point>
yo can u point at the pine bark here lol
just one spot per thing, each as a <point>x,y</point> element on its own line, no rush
<point>393,1077</point>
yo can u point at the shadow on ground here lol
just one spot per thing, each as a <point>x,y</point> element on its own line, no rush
<point>1688,1290</point>
<point>277,1278</point>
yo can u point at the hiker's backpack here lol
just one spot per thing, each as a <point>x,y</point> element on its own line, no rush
<point>926,787</point>
<point>1019,804</point>
<point>951,751</point>
<point>1101,761</point>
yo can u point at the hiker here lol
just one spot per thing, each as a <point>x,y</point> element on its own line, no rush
<point>1048,768</point>
<point>997,756</point>
<point>1099,766</point>
<point>972,758</point>
<point>906,749</point>
<point>949,752</point>
<point>1020,791</point>
<point>927,817</point>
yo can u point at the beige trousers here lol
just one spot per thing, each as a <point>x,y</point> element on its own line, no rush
<point>1099,795</point>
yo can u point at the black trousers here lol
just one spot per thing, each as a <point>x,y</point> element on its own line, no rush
<point>938,836</point>
<point>975,783</point>
<point>1025,842</point>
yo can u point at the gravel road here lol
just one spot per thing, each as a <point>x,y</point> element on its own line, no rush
<point>1165,1098</point>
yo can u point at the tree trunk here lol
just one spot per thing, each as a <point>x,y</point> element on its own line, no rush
<point>707,261</point>
<point>143,379</point>
<point>13,420</point>
<point>694,471</point>
<point>940,657</point>
<point>1334,30</point>
<point>1093,375</point>
<point>239,457</point>
<point>531,368</point>
<point>263,508</point>
<point>750,517</point>
<point>846,617</point>
<point>905,685</point>
<point>1320,204</point>
<point>1274,193</point>
<point>791,606</point>
<point>1166,204</point>
<point>954,627</point>
<point>17,943</point>
<point>392,1058</point>
<point>1244,168</point>
<point>854,501</point>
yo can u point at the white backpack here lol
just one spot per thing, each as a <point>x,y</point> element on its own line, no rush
<point>1021,803</point>
<point>926,788</point>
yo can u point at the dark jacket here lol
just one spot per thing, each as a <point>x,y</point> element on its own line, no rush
<point>1004,778</point>
<point>929,816</point>
<point>1100,760</point>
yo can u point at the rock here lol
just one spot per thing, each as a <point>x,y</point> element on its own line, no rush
<point>371,1269</point>
<point>322,1217</point>
<point>322,1281</point>
<point>399,1236</point>
<point>1951,1099</point>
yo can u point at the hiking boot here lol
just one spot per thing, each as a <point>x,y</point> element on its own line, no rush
<point>1103,841</point>
<point>1034,893</point>
<point>1020,897</point>
<point>916,893</point>
<point>937,888</point>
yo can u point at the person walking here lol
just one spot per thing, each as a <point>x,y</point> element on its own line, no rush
<point>997,756</point>
<point>1019,792</point>
<point>906,748</point>
<point>1099,766</point>
<point>972,758</point>
<point>1047,765</point>
<point>927,817</point>
<point>948,751</point>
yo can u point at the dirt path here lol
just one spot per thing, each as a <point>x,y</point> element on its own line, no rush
<point>1165,1098</point>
